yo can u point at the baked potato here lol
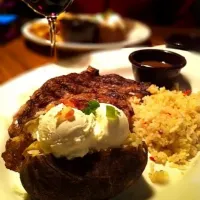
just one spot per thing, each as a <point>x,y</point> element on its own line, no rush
<point>98,175</point>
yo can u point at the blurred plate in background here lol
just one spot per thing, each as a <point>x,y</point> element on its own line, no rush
<point>137,34</point>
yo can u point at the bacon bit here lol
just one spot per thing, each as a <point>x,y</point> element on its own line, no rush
<point>50,106</point>
<point>66,114</point>
<point>187,92</point>
<point>67,102</point>
<point>152,159</point>
<point>144,124</point>
<point>69,115</point>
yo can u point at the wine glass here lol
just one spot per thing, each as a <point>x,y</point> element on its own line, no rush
<point>50,9</point>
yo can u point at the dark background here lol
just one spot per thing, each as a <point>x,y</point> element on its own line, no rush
<point>170,13</point>
<point>185,13</point>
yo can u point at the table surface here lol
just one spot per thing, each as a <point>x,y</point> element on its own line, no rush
<point>16,57</point>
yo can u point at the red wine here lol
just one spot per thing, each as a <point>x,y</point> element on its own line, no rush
<point>48,7</point>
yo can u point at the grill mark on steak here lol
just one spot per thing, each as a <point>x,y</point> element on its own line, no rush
<point>78,88</point>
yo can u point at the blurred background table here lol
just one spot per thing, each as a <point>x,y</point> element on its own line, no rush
<point>17,58</point>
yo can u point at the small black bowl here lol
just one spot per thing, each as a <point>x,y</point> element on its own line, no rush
<point>160,75</point>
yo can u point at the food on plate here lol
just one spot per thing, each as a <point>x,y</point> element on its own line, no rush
<point>41,30</point>
<point>72,138</point>
<point>20,193</point>
<point>159,177</point>
<point>112,28</point>
<point>100,28</point>
<point>169,123</point>
<point>73,28</point>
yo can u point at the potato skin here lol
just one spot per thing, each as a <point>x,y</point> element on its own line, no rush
<point>97,176</point>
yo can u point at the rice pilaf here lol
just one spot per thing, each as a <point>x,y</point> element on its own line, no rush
<point>169,123</point>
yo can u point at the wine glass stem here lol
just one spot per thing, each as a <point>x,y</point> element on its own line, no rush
<point>52,25</point>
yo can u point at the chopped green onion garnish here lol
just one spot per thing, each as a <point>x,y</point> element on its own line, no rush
<point>111,113</point>
<point>91,108</point>
<point>118,113</point>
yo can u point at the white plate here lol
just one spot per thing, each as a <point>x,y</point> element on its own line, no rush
<point>13,93</point>
<point>138,34</point>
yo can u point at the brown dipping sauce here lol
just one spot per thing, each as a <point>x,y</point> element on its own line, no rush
<point>156,64</point>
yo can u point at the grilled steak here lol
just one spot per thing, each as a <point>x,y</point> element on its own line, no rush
<point>79,89</point>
